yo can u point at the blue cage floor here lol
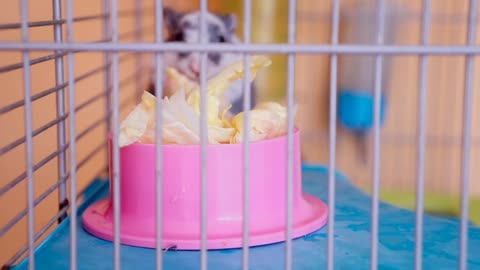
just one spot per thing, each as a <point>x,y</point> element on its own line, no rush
<point>352,240</point>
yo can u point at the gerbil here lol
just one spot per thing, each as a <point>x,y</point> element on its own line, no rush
<point>185,27</point>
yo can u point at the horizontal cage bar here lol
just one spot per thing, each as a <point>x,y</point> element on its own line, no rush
<point>31,62</point>
<point>9,26</point>
<point>37,166</point>
<point>42,231</point>
<point>49,224</point>
<point>82,134</point>
<point>278,48</point>
<point>51,189</point>
<point>37,201</point>
<point>46,58</point>
<point>49,91</point>
<point>12,26</point>
<point>36,132</point>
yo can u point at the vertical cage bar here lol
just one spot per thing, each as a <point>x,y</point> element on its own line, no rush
<point>421,137</point>
<point>376,135</point>
<point>116,131</point>
<point>467,127</point>
<point>73,146</point>
<point>203,135</point>
<point>247,10</point>
<point>29,137</point>
<point>158,131</point>
<point>139,38</point>
<point>332,137</point>
<point>108,69</point>
<point>61,137</point>
<point>292,8</point>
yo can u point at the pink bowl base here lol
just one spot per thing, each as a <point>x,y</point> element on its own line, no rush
<point>181,198</point>
<point>101,227</point>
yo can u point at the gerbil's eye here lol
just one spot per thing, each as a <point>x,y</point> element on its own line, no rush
<point>178,36</point>
<point>214,57</point>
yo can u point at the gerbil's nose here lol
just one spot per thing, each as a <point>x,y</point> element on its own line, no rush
<point>195,68</point>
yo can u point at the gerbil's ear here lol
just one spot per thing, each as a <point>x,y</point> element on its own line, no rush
<point>171,18</point>
<point>230,22</point>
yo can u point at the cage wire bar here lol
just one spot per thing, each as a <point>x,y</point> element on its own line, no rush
<point>35,166</point>
<point>280,48</point>
<point>55,22</point>
<point>46,58</point>
<point>112,83</point>
<point>29,138</point>
<point>116,130</point>
<point>247,21</point>
<point>467,127</point>
<point>332,137</point>
<point>59,121</point>
<point>44,195</point>
<point>56,153</point>
<point>292,9</point>
<point>426,17</point>
<point>22,140</point>
<point>203,135</point>
<point>47,226</point>
<point>58,55</point>
<point>48,158</point>
<point>158,133</point>
<point>380,19</point>
<point>72,146</point>
<point>61,136</point>
<point>37,236</point>
<point>47,92</point>
<point>32,62</point>
<point>138,38</point>
<point>107,69</point>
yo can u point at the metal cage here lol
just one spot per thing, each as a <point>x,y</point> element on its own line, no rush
<point>116,47</point>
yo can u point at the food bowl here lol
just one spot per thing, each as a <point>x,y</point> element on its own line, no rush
<point>181,187</point>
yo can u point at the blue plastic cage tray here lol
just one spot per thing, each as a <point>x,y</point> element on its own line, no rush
<point>352,240</point>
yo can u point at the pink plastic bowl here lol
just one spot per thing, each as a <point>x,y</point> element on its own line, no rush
<point>181,196</point>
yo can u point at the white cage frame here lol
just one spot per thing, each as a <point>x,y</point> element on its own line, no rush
<point>111,47</point>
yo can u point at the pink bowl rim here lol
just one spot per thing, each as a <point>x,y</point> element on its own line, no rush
<point>296,132</point>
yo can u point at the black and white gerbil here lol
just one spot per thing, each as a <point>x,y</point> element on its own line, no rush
<point>185,27</point>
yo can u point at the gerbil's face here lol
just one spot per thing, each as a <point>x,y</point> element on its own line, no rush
<point>186,28</point>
